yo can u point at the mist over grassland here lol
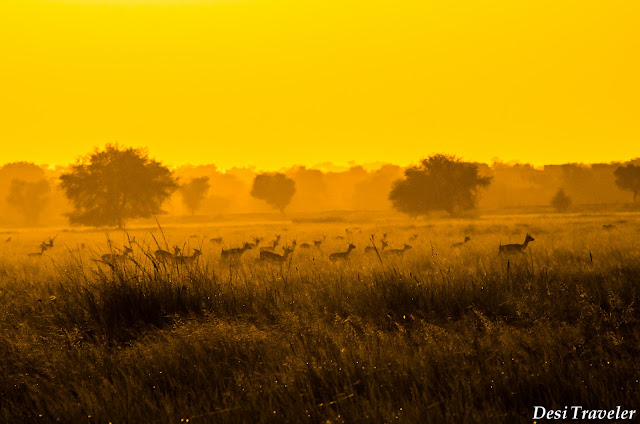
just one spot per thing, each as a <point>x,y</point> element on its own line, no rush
<point>514,188</point>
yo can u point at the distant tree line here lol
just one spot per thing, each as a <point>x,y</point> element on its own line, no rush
<point>108,187</point>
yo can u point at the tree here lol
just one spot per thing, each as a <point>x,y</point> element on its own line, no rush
<point>560,201</point>
<point>194,192</point>
<point>439,183</point>
<point>28,198</point>
<point>108,187</point>
<point>628,178</point>
<point>275,189</point>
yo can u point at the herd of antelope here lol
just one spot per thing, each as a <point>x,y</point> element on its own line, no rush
<point>268,252</point>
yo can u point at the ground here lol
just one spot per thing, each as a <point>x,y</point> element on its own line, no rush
<point>440,334</point>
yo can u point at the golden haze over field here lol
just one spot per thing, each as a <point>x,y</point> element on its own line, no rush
<point>169,276</point>
<point>273,83</point>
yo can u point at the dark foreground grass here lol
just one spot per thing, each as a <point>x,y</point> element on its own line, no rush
<point>155,344</point>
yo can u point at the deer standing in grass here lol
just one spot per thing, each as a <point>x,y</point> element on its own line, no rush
<point>187,260</point>
<point>371,249</point>
<point>234,253</point>
<point>163,255</point>
<point>515,248</point>
<point>341,256</point>
<point>256,242</point>
<point>460,244</point>
<point>37,254</point>
<point>397,252</point>
<point>49,244</point>
<point>112,258</point>
<point>273,246</point>
<point>266,256</point>
<point>318,243</point>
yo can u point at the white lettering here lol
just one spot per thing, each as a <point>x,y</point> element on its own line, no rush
<point>535,412</point>
<point>576,411</point>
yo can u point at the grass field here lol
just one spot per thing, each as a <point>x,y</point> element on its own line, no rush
<point>440,334</point>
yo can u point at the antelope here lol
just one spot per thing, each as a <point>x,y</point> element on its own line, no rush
<point>341,255</point>
<point>413,237</point>
<point>515,248</point>
<point>397,252</point>
<point>216,240</point>
<point>256,242</point>
<point>274,243</point>
<point>318,243</point>
<point>111,258</point>
<point>371,249</point>
<point>236,252</point>
<point>466,239</point>
<point>8,240</point>
<point>163,255</point>
<point>49,244</point>
<point>605,226</point>
<point>186,260</point>
<point>42,249</point>
<point>266,256</point>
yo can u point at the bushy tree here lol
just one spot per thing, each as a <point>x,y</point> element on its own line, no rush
<point>110,186</point>
<point>628,178</point>
<point>561,201</point>
<point>440,182</point>
<point>194,192</point>
<point>29,198</point>
<point>275,189</point>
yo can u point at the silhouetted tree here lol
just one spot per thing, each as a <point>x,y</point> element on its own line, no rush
<point>275,189</point>
<point>108,187</point>
<point>560,201</point>
<point>628,178</point>
<point>28,198</point>
<point>439,183</point>
<point>194,192</point>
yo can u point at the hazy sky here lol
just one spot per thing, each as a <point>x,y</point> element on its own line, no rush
<point>280,82</point>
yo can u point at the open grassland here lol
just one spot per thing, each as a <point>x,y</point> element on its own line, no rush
<point>440,334</point>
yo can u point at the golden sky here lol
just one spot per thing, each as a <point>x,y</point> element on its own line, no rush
<point>274,83</point>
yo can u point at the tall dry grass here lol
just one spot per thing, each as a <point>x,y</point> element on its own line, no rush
<point>439,335</point>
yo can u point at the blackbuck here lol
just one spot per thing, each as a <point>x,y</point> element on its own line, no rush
<point>163,255</point>
<point>515,248</point>
<point>49,244</point>
<point>36,254</point>
<point>113,258</point>
<point>256,242</point>
<point>186,260</point>
<point>371,249</point>
<point>318,243</point>
<point>459,244</point>
<point>397,252</point>
<point>235,252</point>
<point>341,256</point>
<point>266,256</point>
<point>273,246</point>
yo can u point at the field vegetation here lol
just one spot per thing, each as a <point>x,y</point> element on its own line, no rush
<point>437,334</point>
